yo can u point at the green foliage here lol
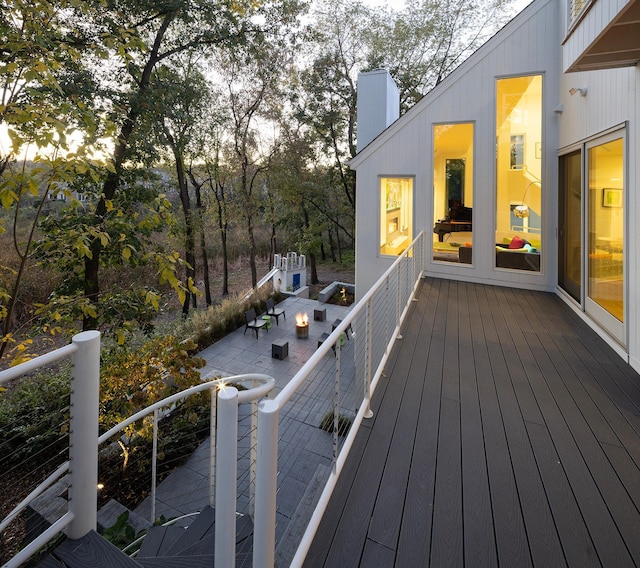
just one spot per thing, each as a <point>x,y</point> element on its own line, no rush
<point>121,533</point>
<point>33,417</point>
<point>25,195</point>
<point>132,380</point>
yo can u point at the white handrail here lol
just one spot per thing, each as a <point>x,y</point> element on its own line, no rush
<point>50,480</point>
<point>243,396</point>
<point>84,345</point>
<point>33,547</point>
<point>268,413</point>
<point>37,362</point>
<point>292,386</point>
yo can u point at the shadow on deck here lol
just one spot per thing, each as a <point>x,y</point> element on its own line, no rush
<point>505,434</point>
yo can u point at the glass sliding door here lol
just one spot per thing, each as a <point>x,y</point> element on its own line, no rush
<point>605,242</point>
<point>453,192</point>
<point>570,224</point>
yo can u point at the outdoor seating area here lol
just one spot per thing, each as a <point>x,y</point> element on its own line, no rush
<point>274,312</point>
<point>252,322</point>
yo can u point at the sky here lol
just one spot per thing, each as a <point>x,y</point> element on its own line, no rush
<point>399,4</point>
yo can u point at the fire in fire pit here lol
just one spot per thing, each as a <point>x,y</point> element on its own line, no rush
<point>302,326</point>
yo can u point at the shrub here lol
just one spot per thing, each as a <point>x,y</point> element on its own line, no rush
<point>205,327</point>
<point>33,417</point>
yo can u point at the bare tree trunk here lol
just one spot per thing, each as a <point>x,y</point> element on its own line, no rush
<point>314,269</point>
<point>312,256</point>
<point>222,229</point>
<point>332,246</point>
<point>189,239</point>
<point>112,180</point>
<point>203,245</point>
<point>252,251</point>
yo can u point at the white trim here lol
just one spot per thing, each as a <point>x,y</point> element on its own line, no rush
<point>593,325</point>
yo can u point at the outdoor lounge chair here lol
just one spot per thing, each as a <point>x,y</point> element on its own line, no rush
<point>273,311</point>
<point>252,322</point>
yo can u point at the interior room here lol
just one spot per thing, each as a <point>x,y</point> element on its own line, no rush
<point>452,189</point>
<point>396,214</point>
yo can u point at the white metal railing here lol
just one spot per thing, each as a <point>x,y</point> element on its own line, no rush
<point>84,352</point>
<point>373,326</point>
<point>361,342</point>
<point>84,442</point>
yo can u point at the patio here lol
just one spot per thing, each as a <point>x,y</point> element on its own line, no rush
<point>187,488</point>
<point>505,433</point>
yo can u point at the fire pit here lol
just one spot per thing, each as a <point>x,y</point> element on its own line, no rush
<point>302,326</point>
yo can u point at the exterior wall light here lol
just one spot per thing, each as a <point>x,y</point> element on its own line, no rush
<point>581,90</point>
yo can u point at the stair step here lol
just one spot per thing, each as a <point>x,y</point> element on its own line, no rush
<point>244,529</point>
<point>50,562</point>
<point>202,561</point>
<point>195,532</point>
<point>92,551</point>
<point>206,544</point>
<point>159,540</point>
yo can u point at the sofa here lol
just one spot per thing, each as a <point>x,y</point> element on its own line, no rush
<point>524,258</point>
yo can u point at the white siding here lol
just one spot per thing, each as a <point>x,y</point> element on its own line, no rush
<point>528,45</point>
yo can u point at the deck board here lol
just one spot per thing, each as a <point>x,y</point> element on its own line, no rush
<point>506,433</point>
<point>479,536</point>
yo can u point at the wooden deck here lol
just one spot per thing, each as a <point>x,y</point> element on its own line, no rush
<point>506,434</point>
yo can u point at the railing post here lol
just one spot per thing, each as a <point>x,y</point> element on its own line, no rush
<point>264,532</point>
<point>83,434</point>
<point>399,297</point>
<point>336,405</point>
<point>368,355</point>
<point>154,466</point>
<point>226,478</point>
<point>386,312</point>
<point>253,451</point>
<point>212,445</point>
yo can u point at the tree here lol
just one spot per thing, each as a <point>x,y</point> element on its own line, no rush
<point>252,81</point>
<point>207,170</point>
<point>178,97</point>
<point>45,95</point>
<point>429,39</point>
<point>145,35</point>
<point>329,104</point>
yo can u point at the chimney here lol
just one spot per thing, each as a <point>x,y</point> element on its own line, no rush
<point>378,105</point>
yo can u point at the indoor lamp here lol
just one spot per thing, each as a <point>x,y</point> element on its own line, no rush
<point>522,211</point>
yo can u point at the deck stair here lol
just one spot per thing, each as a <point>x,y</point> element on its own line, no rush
<point>163,547</point>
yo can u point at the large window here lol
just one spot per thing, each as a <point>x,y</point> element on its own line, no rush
<point>605,261</point>
<point>452,192</point>
<point>519,172</point>
<point>396,214</point>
